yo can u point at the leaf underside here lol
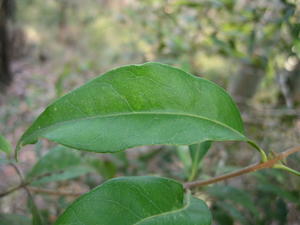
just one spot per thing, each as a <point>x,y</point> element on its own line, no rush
<point>137,201</point>
<point>138,105</point>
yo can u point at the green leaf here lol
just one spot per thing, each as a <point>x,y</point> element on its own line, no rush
<point>280,192</point>
<point>138,105</point>
<point>36,215</point>
<point>107,169</point>
<point>137,200</point>
<point>60,163</point>
<point>185,158</point>
<point>5,146</point>
<point>197,153</point>
<point>235,195</point>
<point>69,173</point>
<point>234,212</point>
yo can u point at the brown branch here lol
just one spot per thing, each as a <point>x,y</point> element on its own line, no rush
<point>24,184</point>
<point>252,168</point>
<point>54,192</point>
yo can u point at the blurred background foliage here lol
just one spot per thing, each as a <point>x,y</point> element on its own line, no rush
<point>249,47</point>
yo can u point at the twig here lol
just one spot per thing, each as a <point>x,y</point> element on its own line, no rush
<point>24,183</point>
<point>36,216</point>
<point>54,192</point>
<point>21,185</point>
<point>252,168</point>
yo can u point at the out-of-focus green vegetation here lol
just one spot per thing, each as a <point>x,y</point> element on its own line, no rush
<point>66,42</point>
<point>180,32</point>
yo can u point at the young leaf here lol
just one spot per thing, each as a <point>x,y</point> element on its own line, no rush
<point>137,200</point>
<point>139,105</point>
<point>5,146</point>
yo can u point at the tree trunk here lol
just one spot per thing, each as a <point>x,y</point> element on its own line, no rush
<point>244,85</point>
<point>6,12</point>
<point>289,83</point>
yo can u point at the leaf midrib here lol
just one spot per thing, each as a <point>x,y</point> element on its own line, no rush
<point>136,113</point>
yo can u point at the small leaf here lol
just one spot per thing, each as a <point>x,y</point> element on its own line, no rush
<point>235,195</point>
<point>234,212</point>
<point>107,169</point>
<point>57,159</point>
<point>139,105</point>
<point>69,173</point>
<point>137,201</point>
<point>185,158</point>
<point>60,163</point>
<point>5,146</point>
<point>197,153</point>
<point>280,192</point>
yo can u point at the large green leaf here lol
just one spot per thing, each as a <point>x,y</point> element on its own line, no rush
<point>137,200</point>
<point>139,105</point>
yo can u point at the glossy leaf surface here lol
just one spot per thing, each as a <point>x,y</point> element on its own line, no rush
<point>139,105</point>
<point>137,201</point>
